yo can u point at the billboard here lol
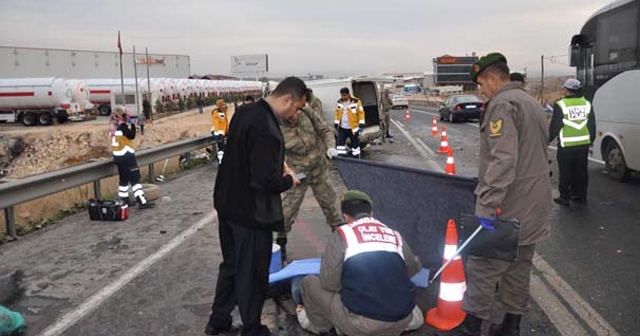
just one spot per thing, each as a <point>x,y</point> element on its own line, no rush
<point>245,64</point>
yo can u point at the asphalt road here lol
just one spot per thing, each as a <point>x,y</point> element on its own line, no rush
<point>155,273</point>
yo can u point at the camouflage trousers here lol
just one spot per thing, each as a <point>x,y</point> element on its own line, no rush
<point>325,195</point>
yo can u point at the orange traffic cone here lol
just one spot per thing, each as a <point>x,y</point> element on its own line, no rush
<point>434,127</point>
<point>444,143</point>
<point>450,167</point>
<point>449,314</point>
<point>407,116</point>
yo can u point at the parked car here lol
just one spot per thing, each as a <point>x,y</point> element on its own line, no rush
<point>399,101</point>
<point>461,107</point>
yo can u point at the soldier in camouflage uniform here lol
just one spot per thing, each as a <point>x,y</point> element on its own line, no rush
<point>309,143</point>
<point>386,115</point>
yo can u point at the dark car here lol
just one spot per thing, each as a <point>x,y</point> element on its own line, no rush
<point>461,107</point>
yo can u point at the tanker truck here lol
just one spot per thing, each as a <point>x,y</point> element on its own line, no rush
<point>36,101</point>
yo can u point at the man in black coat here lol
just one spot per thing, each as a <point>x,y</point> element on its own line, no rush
<point>247,199</point>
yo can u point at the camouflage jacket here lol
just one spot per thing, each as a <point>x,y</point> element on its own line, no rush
<point>306,143</point>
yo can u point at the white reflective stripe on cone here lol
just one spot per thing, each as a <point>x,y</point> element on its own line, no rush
<point>450,159</point>
<point>449,251</point>
<point>444,144</point>
<point>452,292</point>
<point>444,133</point>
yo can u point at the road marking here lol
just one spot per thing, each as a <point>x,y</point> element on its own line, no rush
<point>415,144</point>
<point>425,112</point>
<point>565,322</point>
<point>63,323</point>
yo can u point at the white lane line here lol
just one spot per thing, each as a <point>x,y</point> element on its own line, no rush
<point>554,309</point>
<point>589,315</point>
<point>63,323</point>
<point>561,318</point>
<point>415,144</point>
<point>425,112</point>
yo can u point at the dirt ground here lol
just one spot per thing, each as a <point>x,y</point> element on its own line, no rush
<point>27,151</point>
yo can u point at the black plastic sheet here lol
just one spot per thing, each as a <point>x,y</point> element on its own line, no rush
<point>416,203</point>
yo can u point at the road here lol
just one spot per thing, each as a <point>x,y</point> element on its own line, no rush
<point>155,273</point>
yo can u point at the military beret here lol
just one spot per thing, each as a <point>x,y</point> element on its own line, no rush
<point>356,195</point>
<point>484,62</point>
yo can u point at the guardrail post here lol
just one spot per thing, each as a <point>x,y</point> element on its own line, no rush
<point>152,173</point>
<point>96,189</point>
<point>10,222</point>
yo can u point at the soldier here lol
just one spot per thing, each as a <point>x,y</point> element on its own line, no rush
<point>513,182</point>
<point>386,116</point>
<point>313,102</point>
<point>219,126</point>
<point>349,122</point>
<point>309,143</point>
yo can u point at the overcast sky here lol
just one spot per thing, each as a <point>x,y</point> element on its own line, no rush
<point>310,36</point>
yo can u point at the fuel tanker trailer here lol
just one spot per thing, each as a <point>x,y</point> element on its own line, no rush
<point>36,101</point>
<point>80,94</point>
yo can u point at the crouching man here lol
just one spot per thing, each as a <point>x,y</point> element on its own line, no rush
<point>364,287</point>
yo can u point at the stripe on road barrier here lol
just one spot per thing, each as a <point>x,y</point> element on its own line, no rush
<point>91,304</point>
<point>564,321</point>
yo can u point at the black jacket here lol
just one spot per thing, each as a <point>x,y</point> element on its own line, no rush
<point>249,180</point>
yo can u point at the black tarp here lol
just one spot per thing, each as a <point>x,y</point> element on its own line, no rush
<point>416,203</point>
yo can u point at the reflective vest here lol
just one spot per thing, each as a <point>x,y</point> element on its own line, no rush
<point>575,114</point>
<point>120,144</point>
<point>374,282</point>
<point>355,113</point>
<point>219,122</point>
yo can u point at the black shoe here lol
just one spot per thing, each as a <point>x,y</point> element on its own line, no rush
<point>579,200</point>
<point>388,136</point>
<point>213,329</point>
<point>146,205</point>
<point>471,326</point>
<point>510,326</point>
<point>561,201</point>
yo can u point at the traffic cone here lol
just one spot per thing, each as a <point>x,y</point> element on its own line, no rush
<point>448,314</point>
<point>434,127</point>
<point>450,167</point>
<point>407,116</point>
<point>444,142</point>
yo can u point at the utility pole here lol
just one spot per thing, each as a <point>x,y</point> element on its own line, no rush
<point>542,80</point>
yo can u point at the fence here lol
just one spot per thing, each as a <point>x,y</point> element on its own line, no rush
<point>20,191</point>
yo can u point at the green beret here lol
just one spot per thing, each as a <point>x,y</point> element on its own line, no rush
<point>484,62</point>
<point>356,195</point>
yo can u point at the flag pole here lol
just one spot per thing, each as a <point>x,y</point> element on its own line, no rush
<point>146,51</point>
<point>121,73</point>
<point>135,73</point>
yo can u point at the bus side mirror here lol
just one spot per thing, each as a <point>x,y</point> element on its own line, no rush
<point>574,55</point>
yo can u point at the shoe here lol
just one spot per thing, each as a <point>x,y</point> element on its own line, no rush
<point>561,201</point>
<point>212,329</point>
<point>388,136</point>
<point>471,326</point>
<point>146,205</point>
<point>510,326</point>
<point>579,200</point>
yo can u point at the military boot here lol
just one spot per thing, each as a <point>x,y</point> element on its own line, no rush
<point>471,326</point>
<point>282,241</point>
<point>510,326</point>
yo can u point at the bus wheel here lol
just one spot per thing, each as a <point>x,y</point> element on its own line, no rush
<point>614,161</point>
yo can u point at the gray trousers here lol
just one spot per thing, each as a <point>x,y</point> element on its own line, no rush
<point>512,279</point>
<point>325,310</point>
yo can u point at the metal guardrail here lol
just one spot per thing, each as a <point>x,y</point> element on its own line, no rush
<point>20,191</point>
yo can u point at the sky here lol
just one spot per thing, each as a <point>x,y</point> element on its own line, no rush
<point>330,37</point>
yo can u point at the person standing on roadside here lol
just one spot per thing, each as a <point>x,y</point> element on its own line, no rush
<point>142,120</point>
<point>349,123</point>
<point>386,115</point>
<point>314,102</point>
<point>247,199</point>
<point>220,127</point>
<point>309,144</point>
<point>513,182</point>
<point>574,123</point>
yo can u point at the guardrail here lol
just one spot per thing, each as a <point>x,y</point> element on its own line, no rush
<point>425,103</point>
<point>20,191</point>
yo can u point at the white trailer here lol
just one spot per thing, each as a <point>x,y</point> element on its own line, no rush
<point>34,101</point>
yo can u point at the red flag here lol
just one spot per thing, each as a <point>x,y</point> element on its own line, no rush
<point>119,44</point>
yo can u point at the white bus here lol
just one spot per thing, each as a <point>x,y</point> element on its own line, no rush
<point>606,55</point>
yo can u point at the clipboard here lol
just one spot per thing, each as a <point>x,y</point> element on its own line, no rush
<point>501,243</point>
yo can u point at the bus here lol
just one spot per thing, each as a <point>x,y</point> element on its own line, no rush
<point>606,55</point>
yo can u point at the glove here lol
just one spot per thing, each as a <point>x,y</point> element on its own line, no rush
<point>487,223</point>
<point>332,152</point>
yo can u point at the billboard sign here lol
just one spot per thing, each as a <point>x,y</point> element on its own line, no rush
<point>249,64</point>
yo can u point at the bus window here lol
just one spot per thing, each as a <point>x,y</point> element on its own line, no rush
<point>617,36</point>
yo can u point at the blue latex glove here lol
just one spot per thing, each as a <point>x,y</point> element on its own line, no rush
<point>487,223</point>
